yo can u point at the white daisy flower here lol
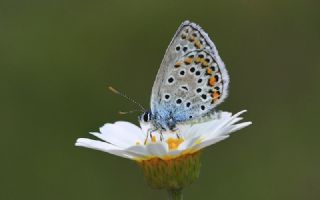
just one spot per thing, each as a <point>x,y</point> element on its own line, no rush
<point>127,140</point>
<point>173,161</point>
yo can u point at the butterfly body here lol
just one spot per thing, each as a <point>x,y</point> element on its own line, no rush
<point>191,81</point>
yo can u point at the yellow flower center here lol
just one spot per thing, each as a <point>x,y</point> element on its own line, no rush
<point>173,143</point>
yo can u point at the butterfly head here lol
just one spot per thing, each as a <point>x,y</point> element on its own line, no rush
<point>158,121</point>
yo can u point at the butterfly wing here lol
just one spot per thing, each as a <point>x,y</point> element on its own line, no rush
<point>192,78</point>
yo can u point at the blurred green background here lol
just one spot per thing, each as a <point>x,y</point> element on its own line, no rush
<point>58,57</point>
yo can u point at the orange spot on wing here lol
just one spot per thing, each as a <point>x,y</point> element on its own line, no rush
<point>191,38</point>
<point>215,96</point>
<point>204,64</point>
<point>178,64</point>
<point>197,44</point>
<point>212,81</point>
<point>209,71</point>
<point>188,61</point>
<point>198,60</point>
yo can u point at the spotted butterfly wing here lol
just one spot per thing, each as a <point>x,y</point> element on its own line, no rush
<point>192,78</point>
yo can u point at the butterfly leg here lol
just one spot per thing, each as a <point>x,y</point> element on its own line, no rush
<point>176,130</point>
<point>149,134</point>
<point>161,135</point>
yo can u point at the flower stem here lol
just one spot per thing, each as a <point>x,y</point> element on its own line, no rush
<point>175,194</point>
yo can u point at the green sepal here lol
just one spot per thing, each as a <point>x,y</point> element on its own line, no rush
<point>171,174</point>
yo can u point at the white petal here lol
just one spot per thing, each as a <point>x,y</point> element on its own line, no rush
<point>191,132</point>
<point>132,128</point>
<point>188,143</point>
<point>212,125</point>
<point>139,150</point>
<point>237,127</point>
<point>102,146</point>
<point>158,149</point>
<point>175,153</point>
<point>226,114</point>
<point>235,118</point>
<point>226,124</point>
<point>209,142</point>
<point>145,127</point>
<point>121,134</point>
<point>218,128</point>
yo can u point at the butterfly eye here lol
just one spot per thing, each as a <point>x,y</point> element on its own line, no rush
<point>146,116</point>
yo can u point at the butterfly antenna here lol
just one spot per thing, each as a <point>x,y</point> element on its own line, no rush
<point>128,112</point>
<point>128,98</point>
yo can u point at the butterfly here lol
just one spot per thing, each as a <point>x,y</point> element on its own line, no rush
<point>191,81</point>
